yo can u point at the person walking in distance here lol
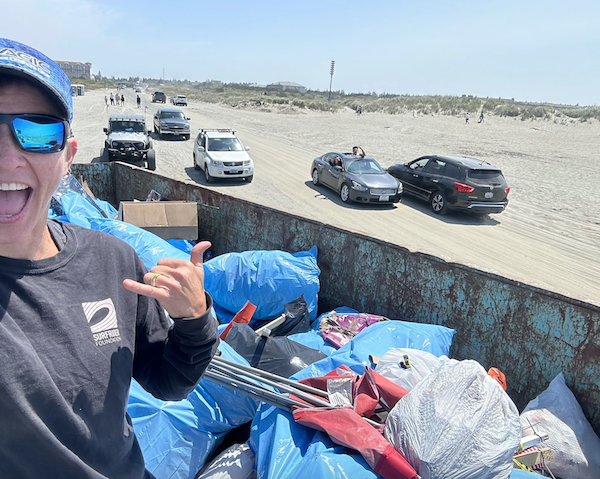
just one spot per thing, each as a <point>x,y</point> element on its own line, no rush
<point>106,101</point>
<point>481,118</point>
<point>139,101</point>
<point>467,119</point>
<point>122,100</point>
<point>71,343</point>
<point>112,98</point>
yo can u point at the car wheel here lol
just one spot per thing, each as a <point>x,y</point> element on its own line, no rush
<point>249,178</point>
<point>345,193</point>
<point>196,167</point>
<point>209,179</point>
<point>438,203</point>
<point>105,155</point>
<point>155,129</point>
<point>151,160</point>
<point>315,177</point>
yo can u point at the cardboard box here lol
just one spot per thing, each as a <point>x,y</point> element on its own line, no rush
<point>166,219</point>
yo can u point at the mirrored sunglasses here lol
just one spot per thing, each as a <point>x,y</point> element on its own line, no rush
<point>37,133</point>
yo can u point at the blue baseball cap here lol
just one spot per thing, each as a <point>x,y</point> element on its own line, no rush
<point>25,61</point>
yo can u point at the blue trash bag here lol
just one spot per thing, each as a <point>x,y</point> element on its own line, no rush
<point>268,279</point>
<point>177,437</point>
<point>71,207</point>
<point>284,449</point>
<point>376,340</point>
<point>520,474</point>
<point>149,247</point>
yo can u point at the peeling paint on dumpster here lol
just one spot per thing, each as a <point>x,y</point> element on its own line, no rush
<point>531,334</point>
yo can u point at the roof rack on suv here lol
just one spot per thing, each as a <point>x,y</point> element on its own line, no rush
<point>222,130</point>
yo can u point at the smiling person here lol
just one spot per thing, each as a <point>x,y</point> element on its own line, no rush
<point>79,314</point>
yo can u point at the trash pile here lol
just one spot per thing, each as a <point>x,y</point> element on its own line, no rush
<point>344,394</point>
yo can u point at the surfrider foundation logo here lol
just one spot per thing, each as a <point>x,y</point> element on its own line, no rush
<point>102,318</point>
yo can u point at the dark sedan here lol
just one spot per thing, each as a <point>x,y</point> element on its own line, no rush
<point>355,178</point>
<point>454,183</point>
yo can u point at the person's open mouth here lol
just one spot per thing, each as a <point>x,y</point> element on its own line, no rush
<point>13,199</point>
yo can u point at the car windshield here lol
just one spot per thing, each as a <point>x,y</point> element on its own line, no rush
<point>485,176</point>
<point>364,167</point>
<point>224,144</point>
<point>172,114</point>
<point>123,125</point>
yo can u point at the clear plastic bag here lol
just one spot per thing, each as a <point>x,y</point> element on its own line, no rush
<point>574,444</point>
<point>457,423</point>
<point>393,366</point>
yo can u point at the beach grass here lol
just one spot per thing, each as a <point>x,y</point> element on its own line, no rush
<point>240,95</point>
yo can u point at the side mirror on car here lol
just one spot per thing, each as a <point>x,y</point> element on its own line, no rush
<point>200,148</point>
<point>338,168</point>
<point>187,118</point>
<point>106,130</point>
<point>247,148</point>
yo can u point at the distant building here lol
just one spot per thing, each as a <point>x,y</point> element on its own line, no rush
<point>286,85</point>
<point>76,69</point>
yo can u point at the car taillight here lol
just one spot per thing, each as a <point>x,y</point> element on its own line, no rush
<point>507,190</point>
<point>463,188</point>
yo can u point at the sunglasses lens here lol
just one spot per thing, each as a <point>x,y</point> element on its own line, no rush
<point>40,134</point>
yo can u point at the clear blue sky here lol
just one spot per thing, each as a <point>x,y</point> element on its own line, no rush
<point>531,50</point>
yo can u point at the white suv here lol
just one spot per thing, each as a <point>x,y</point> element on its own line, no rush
<point>179,100</point>
<point>221,155</point>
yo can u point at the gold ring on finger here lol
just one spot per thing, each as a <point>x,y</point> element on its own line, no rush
<point>153,279</point>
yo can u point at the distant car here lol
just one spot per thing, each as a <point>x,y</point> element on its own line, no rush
<point>454,183</point>
<point>221,155</point>
<point>138,89</point>
<point>128,140</point>
<point>159,96</point>
<point>179,100</point>
<point>171,121</point>
<point>355,178</point>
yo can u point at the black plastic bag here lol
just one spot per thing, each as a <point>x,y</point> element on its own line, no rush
<point>276,354</point>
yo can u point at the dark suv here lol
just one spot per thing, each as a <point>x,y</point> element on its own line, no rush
<point>171,121</point>
<point>159,96</point>
<point>454,183</point>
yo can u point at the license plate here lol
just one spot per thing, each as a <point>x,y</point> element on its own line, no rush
<point>489,194</point>
<point>384,198</point>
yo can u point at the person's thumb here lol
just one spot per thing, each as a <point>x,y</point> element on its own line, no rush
<point>198,252</point>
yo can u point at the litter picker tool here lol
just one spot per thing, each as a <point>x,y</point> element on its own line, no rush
<point>257,383</point>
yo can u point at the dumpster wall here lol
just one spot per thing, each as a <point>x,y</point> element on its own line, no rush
<point>529,333</point>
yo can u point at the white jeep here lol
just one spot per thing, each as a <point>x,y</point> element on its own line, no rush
<point>128,140</point>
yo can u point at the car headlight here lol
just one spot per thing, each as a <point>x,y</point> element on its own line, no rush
<point>247,163</point>
<point>400,188</point>
<point>216,163</point>
<point>358,186</point>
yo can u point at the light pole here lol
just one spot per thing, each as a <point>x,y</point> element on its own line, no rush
<point>331,80</point>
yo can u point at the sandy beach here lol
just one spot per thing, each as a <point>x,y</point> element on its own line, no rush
<point>549,235</point>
